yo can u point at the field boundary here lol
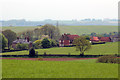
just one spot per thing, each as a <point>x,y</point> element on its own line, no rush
<point>55,55</point>
<point>50,59</point>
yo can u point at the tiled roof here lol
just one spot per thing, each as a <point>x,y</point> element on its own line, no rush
<point>105,39</point>
<point>68,37</point>
<point>22,41</point>
<point>71,37</point>
<point>94,38</point>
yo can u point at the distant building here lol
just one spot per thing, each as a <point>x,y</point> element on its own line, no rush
<point>39,25</point>
<point>105,39</point>
<point>97,39</point>
<point>115,38</point>
<point>67,39</point>
<point>21,41</point>
<point>93,38</point>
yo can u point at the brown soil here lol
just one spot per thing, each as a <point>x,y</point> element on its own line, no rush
<point>51,59</point>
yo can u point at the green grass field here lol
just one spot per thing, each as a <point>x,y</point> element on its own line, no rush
<point>87,29</point>
<point>20,29</point>
<point>101,49</point>
<point>58,69</point>
<point>71,29</point>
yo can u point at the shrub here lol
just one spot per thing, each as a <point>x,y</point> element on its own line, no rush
<point>53,43</point>
<point>32,53</point>
<point>69,54</point>
<point>19,46</point>
<point>37,44</point>
<point>109,59</point>
<point>22,46</point>
<point>3,42</point>
<point>45,53</point>
<point>69,45</point>
<point>46,43</point>
<point>100,42</point>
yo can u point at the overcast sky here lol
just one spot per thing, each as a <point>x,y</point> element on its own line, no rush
<point>36,10</point>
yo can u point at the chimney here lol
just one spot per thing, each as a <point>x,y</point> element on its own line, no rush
<point>64,33</point>
<point>27,39</point>
<point>17,38</point>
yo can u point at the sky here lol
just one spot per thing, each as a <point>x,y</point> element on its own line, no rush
<point>36,10</point>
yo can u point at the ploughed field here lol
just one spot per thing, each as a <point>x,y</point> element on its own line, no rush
<point>71,29</point>
<point>100,49</point>
<point>58,69</point>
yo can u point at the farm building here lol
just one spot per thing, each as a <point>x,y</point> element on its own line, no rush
<point>21,41</point>
<point>97,39</point>
<point>105,39</point>
<point>67,39</point>
<point>115,38</point>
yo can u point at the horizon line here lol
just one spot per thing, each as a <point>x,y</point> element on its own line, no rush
<point>66,19</point>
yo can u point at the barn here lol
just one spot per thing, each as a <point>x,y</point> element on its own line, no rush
<point>94,39</point>
<point>105,39</point>
<point>97,39</point>
<point>67,39</point>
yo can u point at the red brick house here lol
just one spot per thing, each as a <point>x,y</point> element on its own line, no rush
<point>67,39</point>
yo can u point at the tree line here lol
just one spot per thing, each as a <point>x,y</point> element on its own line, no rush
<point>53,33</point>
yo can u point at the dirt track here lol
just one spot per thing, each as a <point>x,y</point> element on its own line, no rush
<point>50,59</point>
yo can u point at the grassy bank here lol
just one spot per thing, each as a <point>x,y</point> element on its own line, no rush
<point>101,49</point>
